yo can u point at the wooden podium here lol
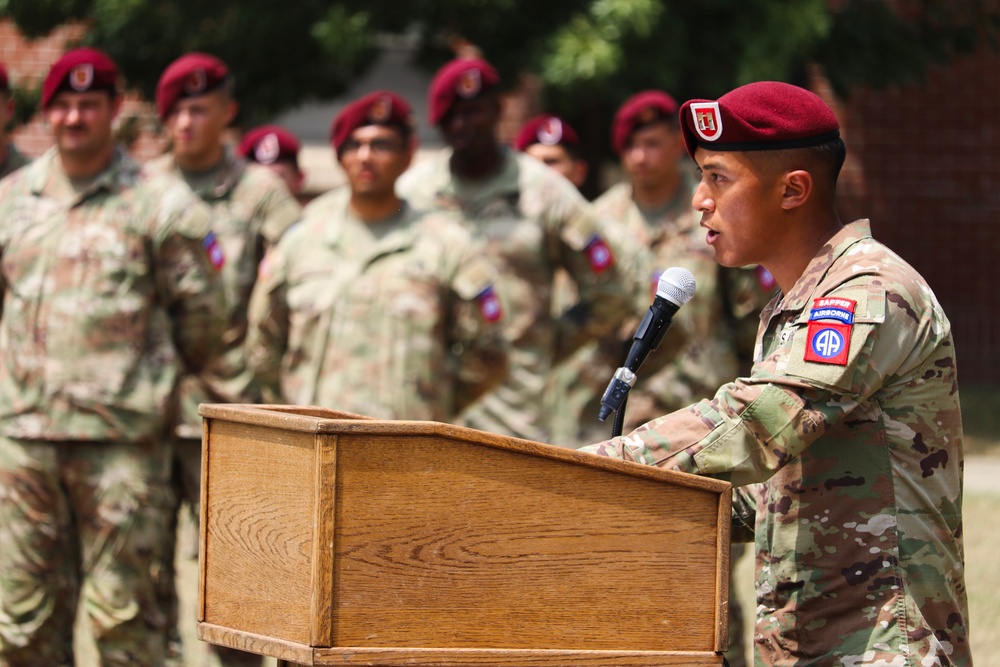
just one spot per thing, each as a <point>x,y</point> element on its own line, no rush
<point>334,539</point>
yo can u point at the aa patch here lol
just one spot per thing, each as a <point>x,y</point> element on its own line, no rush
<point>214,250</point>
<point>489,305</point>
<point>599,254</point>
<point>828,338</point>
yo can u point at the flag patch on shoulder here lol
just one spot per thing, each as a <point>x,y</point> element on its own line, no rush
<point>599,254</point>
<point>489,305</point>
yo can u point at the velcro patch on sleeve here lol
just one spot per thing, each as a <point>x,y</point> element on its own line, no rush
<point>214,250</point>
<point>489,305</point>
<point>828,338</point>
<point>599,254</point>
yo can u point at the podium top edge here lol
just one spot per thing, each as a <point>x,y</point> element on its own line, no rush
<point>323,421</point>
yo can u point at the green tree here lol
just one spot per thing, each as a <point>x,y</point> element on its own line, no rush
<point>591,54</point>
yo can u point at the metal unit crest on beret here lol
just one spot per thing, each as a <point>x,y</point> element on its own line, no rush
<point>81,77</point>
<point>469,83</point>
<point>381,110</point>
<point>196,82</point>
<point>268,149</point>
<point>707,120</point>
<point>550,131</point>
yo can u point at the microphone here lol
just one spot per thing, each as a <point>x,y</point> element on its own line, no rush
<point>675,288</point>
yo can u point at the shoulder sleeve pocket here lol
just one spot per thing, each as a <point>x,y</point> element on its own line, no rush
<point>817,353</point>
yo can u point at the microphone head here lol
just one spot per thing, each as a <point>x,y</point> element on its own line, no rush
<point>676,285</point>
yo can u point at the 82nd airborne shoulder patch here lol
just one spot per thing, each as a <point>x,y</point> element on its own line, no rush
<point>828,338</point>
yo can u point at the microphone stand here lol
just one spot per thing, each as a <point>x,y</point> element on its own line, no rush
<point>619,423</point>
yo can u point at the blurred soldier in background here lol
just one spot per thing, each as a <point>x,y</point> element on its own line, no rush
<point>533,221</point>
<point>844,440</point>
<point>552,140</point>
<point>369,306</point>
<point>109,292</point>
<point>251,208</point>
<point>277,149</point>
<point>10,158</point>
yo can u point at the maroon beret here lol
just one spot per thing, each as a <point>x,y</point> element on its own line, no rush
<point>638,111</point>
<point>767,115</point>
<point>4,79</point>
<point>79,70</point>
<point>381,107</point>
<point>463,77</point>
<point>546,129</point>
<point>268,144</point>
<point>190,75</point>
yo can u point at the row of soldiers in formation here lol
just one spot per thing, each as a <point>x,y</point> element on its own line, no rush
<point>489,293</point>
<point>476,287</point>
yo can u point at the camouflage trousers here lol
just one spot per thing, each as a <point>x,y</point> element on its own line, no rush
<point>80,523</point>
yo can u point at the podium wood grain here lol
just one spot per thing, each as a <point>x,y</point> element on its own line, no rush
<point>335,539</point>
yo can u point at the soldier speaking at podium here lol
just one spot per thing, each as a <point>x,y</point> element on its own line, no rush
<point>845,441</point>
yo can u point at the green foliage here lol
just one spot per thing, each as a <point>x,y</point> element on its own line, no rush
<point>281,55</point>
<point>590,53</point>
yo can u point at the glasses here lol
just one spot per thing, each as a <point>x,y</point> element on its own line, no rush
<point>376,146</point>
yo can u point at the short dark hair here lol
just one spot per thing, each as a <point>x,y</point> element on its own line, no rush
<point>825,159</point>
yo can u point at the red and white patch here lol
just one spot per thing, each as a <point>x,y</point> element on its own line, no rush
<point>469,84</point>
<point>81,77</point>
<point>599,255</point>
<point>550,132</point>
<point>828,342</point>
<point>268,149</point>
<point>196,82</point>
<point>707,120</point>
<point>828,338</point>
<point>489,305</point>
<point>381,110</point>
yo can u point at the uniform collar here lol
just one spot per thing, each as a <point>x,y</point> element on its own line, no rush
<point>222,179</point>
<point>400,238</point>
<point>121,172</point>
<point>504,182</point>
<point>820,265</point>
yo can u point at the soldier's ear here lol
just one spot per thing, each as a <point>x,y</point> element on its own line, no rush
<point>796,188</point>
<point>232,108</point>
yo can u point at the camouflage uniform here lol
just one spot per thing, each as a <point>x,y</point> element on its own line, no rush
<point>533,221</point>
<point>858,521</point>
<point>391,320</point>
<point>710,339</point>
<point>14,161</point>
<point>107,293</point>
<point>251,208</point>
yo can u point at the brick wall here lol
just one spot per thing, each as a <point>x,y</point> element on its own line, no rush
<point>28,61</point>
<point>924,166</point>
